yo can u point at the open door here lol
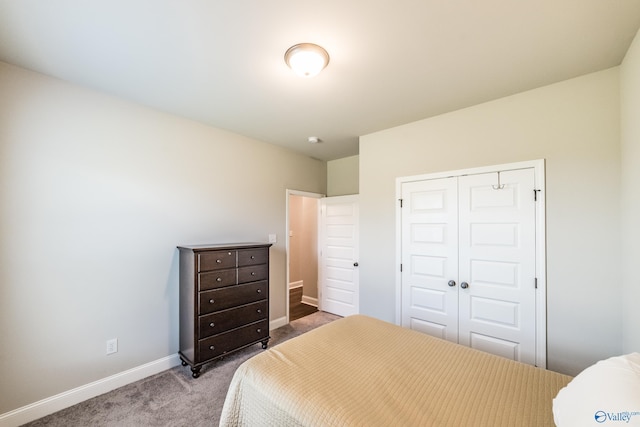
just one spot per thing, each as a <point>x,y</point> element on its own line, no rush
<point>338,285</point>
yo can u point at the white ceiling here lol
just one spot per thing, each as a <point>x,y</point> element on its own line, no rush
<point>392,62</point>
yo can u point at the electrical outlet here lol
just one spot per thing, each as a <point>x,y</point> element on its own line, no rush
<point>112,346</point>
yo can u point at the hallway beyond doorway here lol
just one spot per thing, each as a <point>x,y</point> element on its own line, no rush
<point>297,308</point>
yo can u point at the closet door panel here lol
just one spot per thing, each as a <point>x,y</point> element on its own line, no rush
<point>497,260</point>
<point>430,259</point>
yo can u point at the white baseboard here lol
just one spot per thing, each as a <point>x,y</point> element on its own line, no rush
<point>275,324</point>
<point>298,284</point>
<point>310,300</point>
<point>72,397</point>
<point>66,399</point>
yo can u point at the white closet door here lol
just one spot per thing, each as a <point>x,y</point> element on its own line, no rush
<point>430,257</point>
<point>497,260</point>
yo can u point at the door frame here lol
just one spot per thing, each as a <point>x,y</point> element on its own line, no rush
<point>540,236</point>
<point>289,193</point>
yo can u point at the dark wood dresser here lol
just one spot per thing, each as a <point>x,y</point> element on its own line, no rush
<point>224,300</point>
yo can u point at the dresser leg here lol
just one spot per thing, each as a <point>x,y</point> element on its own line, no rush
<point>265,343</point>
<point>195,371</point>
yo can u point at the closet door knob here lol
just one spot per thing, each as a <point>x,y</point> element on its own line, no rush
<point>464,285</point>
<point>451,283</point>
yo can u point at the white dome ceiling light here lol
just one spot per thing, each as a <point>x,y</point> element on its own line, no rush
<point>306,59</point>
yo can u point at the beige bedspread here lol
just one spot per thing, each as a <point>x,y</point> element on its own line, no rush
<point>359,371</point>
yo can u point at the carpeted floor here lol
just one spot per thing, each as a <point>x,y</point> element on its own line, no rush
<point>173,397</point>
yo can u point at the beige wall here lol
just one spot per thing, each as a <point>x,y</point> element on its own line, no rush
<point>95,194</point>
<point>303,243</point>
<point>574,125</point>
<point>343,176</point>
<point>295,244</point>
<point>630,128</point>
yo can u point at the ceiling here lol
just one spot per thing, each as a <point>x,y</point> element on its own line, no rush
<point>221,62</point>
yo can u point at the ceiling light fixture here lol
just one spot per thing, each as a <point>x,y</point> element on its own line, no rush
<point>314,139</point>
<point>306,59</point>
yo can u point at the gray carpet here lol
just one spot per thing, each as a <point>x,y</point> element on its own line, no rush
<point>173,397</point>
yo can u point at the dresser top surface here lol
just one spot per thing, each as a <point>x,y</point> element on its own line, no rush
<point>218,246</point>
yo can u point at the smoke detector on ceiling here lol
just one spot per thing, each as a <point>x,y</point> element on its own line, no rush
<point>314,139</point>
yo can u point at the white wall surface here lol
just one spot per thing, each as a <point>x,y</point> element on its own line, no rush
<point>95,194</point>
<point>630,128</point>
<point>343,176</point>
<point>574,125</point>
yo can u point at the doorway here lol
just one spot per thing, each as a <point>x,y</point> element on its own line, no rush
<point>302,253</point>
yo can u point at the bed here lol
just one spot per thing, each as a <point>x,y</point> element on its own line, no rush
<point>360,371</point>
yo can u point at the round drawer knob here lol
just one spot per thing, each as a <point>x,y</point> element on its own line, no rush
<point>252,257</point>
<point>258,330</point>
<point>212,324</point>
<point>253,273</point>
<point>259,291</point>
<point>219,261</point>
<point>259,311</point>
<point>211,301</point>
<point>212,347</point>
<point>219,279</point>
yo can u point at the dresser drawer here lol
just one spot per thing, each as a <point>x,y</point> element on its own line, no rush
<point>231,296</point>
<point>253,273</point>
<point>221,321</point>
<point>216,260</point>
<point>252,257</point>
<point>217,279</point>
<point>220,344</point>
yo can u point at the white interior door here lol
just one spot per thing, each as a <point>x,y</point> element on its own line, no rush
<point>430,257</point>
<point>497,263</point>
<point>339,278</point>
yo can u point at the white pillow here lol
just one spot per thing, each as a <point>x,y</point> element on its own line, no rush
<point>607,394</point>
